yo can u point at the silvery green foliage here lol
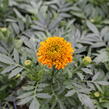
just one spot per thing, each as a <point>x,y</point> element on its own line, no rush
<point>84,23</point>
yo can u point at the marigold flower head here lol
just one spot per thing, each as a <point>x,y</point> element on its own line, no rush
<point>55,51</point>
<point>87,60</point>
<point>27,62</point>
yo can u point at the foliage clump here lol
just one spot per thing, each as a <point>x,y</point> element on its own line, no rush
<point>39,69</point>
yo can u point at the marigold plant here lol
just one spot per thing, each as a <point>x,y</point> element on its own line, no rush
<point>42,72</point>
<point>55,51</point>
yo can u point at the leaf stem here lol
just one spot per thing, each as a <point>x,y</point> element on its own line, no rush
<point>77,69</point>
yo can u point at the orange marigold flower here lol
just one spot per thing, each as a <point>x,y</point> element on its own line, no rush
<point>55,51</point>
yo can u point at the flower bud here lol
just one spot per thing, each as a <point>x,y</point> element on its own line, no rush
<point>87,60</point>
<point>92,20</point>
<point>97,94</point>
<point>27,62</point>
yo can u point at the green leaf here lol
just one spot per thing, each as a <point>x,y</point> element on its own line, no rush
<point>87,71</point>
<point>15,72</point>
<point>8,69</point>
<point>81,75</point>
<point>26,94</point>
<point>34,104</point>
<point>2,50</point>
<point>92,28</point>
<point>16,56</point>
<point>102,82</point>
<point>28,87</point>
<point>61,104</point>
<point>6,59</point>
<point>19,15</point>
<point>25,100</point>
<point>98,44</point>
<point>42,85</point>
<point>86,101</point>
<point>70,93</point>
<point>43,95</point>
<point>102,56</point>
<point>15,28</point>
<point>98,76</point>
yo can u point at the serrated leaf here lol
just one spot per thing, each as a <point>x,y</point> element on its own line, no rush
<point>96,76</point>
<point>61,104</point>
<point>43,95</point>
<point>70,93</point>
<point>42,85</point>
<point>102,82</point>
<point>15,28</point>
<point>16,56</point>
<point>102,56</point>
<point>92,27</point>
<point>34,104</point>
<point>2,50</point>
<point>25,100</point>
<point>6,59</point>
<point>98,44</point>
<point>15,72</point>
<point>28,88</point>
<point>87,71</point>
<point>8,69</point>
<point>19,15</point>
<point>26,94</point>
<point>86,101</point>
<point>80,75</point>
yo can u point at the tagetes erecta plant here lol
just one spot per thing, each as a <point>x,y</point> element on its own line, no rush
<point>55,51</point>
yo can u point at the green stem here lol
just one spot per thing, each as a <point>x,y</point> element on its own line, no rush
<point>77,69</point>
<point>53,71</point>
<point>36,88</point>
<point>53,74</point>
<point>52,82</point>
